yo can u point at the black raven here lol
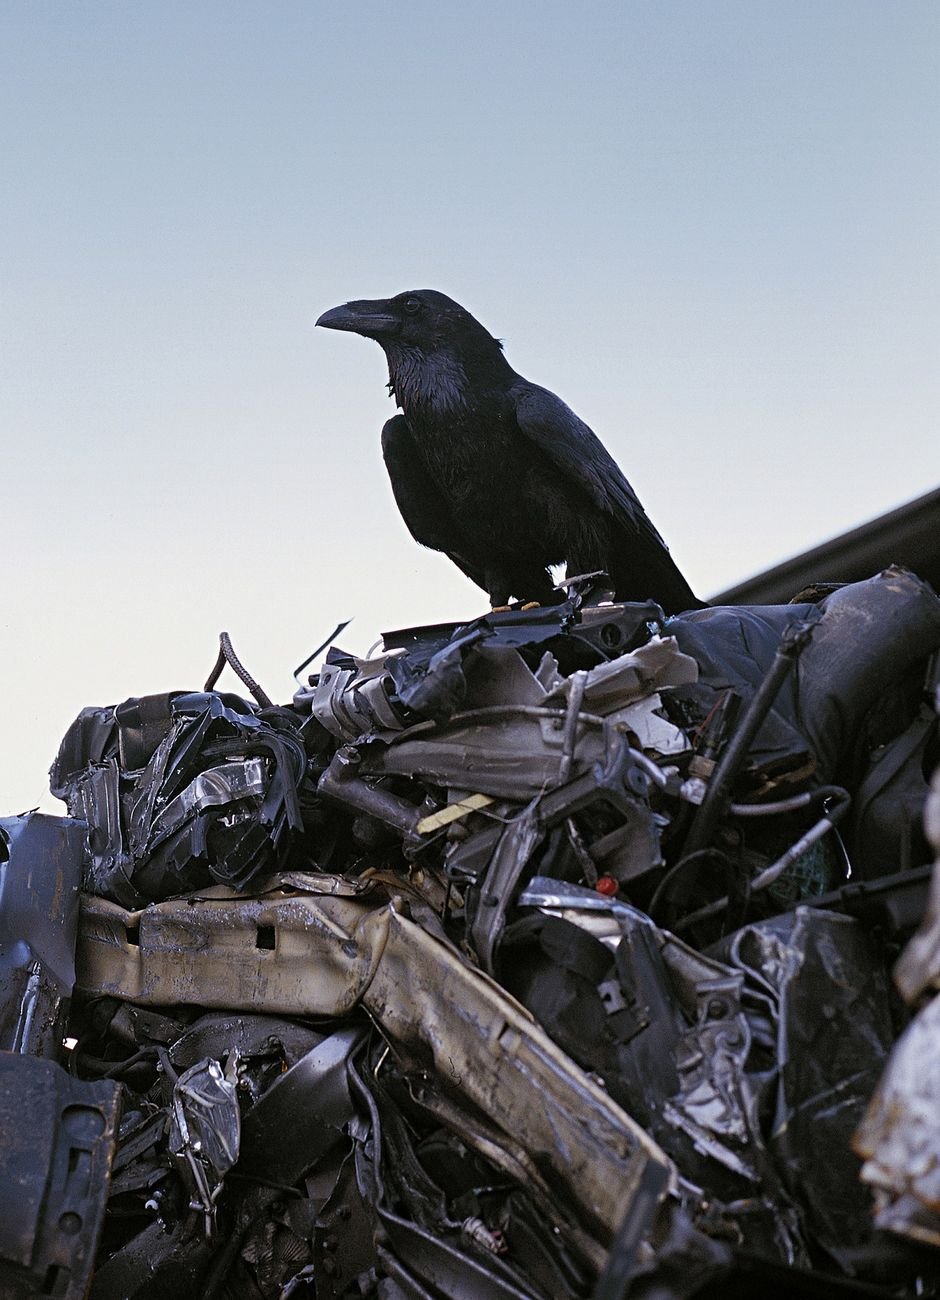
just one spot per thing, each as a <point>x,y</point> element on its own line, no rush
<point>498,473</point>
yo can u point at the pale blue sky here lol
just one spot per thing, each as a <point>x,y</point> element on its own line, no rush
<point>710,227</point>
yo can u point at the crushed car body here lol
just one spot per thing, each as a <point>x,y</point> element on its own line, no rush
<point>570,952</point>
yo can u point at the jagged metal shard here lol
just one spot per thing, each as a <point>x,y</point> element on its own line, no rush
<point>58,1137</point>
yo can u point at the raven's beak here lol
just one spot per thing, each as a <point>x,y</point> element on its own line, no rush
<point>371,318</point>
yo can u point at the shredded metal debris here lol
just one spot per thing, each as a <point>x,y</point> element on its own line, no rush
<point>546,956</point>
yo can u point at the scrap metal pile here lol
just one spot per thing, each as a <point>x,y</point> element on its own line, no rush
<point>546,956</point>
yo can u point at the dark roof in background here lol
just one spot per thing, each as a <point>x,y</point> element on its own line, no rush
<point>909,536</point>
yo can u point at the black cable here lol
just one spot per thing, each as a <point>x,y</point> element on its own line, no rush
<point>720,784</point>
<point>228,656</point>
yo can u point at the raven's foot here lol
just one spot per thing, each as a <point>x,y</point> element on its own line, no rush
<point>520,609</point>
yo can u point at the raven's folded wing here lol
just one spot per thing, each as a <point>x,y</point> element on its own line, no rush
<point>577,451</point>
<point>421,506</point>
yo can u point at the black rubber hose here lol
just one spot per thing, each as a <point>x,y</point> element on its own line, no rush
<point>718,795</point>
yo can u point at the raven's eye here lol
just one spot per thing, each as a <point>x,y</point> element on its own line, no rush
<point>412,305</point>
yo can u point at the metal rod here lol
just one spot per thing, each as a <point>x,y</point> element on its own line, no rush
<point>776,869</point>
<point>337,631</point>
<point>575,699</point>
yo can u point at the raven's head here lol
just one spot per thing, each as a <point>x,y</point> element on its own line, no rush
<point>433,345</point>
<point>418,318</point>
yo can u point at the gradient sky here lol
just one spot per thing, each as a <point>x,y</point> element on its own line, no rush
<point>711,227</point>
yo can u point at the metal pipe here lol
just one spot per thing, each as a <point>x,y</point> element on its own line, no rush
<point>341,784</point>
<point>793,804</point>
<point>797,849</point>
<point>776,869</point>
